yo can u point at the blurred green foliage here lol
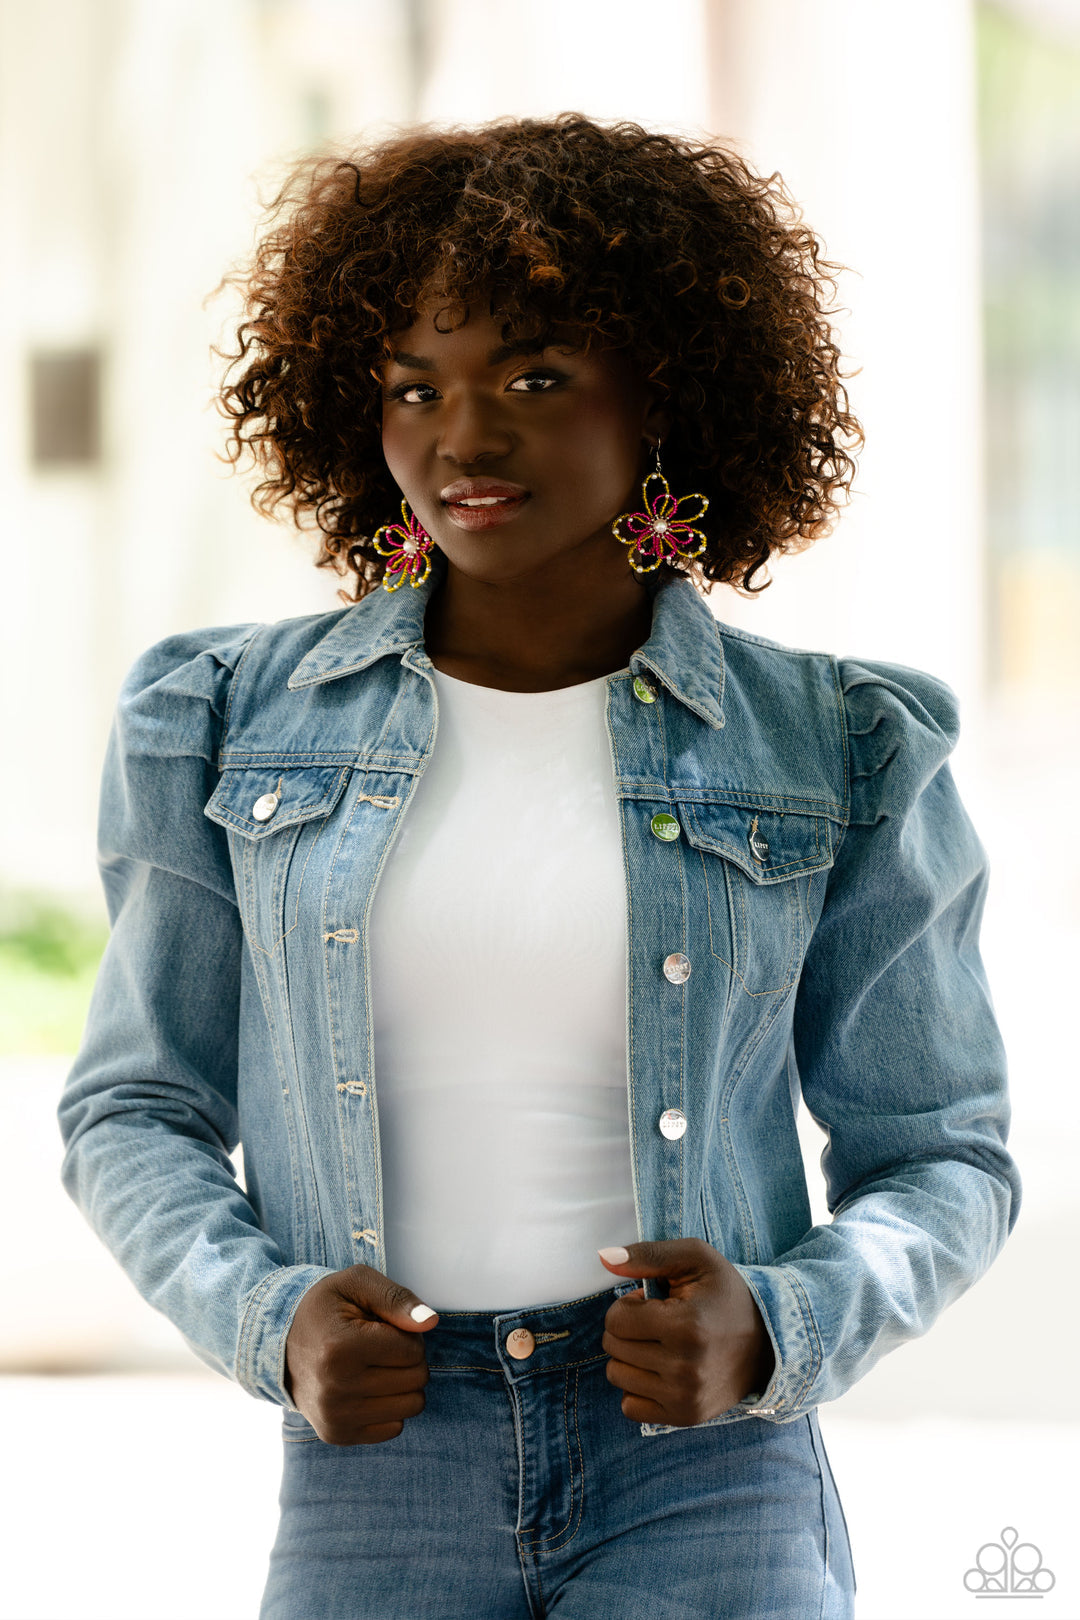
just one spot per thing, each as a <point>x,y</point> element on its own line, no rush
<point>49,955</point>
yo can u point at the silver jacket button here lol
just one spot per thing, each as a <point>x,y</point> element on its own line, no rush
<point>677,968</point>
<point>264,808</point>
<point>759,845</point>
<point>673,1123</point>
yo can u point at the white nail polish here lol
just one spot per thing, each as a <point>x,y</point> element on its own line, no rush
<point>616,1256</point>
<point>422,1313</point>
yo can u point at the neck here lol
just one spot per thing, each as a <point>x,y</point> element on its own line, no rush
<point>570,621</point>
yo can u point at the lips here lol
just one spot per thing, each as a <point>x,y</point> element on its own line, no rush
<point>482,503</point>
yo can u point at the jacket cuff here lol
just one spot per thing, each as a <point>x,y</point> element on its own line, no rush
<point>786,1312</point>
<point>268,1316</point>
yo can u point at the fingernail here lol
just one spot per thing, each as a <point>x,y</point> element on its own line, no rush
<point>614,1257</point>
<point>422,1313</point>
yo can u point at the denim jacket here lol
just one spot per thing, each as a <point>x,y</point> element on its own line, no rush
<point>822,878</point>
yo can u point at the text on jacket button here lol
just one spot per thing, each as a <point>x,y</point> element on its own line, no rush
<point>673,1123</point>
<point>665,826</point>
<point>643,691</point>
<point>677,968</point>
<point>520,1344</point>
<point>264,808</point>
<point>759,846</point>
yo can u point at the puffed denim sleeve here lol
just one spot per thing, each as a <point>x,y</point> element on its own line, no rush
<point>148,1113</point>
<point>899,1059</point>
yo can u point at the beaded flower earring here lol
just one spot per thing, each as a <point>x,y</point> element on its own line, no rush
<point>405,546</point>
<point>663,531</point>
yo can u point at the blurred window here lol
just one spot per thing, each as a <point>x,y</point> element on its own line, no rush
<point>65,408</point>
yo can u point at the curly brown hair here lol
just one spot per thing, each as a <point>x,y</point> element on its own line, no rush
<point>665,247</point>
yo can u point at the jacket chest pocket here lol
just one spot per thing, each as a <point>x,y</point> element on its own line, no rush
<point>274,818</point>
<point>757,868</point>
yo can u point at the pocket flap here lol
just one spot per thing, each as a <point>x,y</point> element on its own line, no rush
<point>303,794</point>
<point>768,845</point>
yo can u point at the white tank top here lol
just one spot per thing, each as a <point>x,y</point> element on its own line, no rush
<point>498,978</point>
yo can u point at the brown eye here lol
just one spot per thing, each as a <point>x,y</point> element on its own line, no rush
<point>543,379</point>
<point>404,390</point>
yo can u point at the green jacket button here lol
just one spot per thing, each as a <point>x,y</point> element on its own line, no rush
<point>665,826</point>
<point>643,691</point>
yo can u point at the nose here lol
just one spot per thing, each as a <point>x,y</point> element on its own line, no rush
<point>471,432</point>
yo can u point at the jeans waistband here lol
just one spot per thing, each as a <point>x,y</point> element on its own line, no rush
<point>544,1337</point>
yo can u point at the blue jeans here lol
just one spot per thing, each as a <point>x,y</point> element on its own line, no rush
<point>521,1491</point>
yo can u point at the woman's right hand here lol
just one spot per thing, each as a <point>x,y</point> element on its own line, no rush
<point>354,1359</point>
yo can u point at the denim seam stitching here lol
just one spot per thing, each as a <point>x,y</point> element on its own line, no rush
<point>365,930</point>
<point>631,1053</point>
<point>824,1518</point>
<point>732,903</point>
<point>544,1542</point>
<point>659,708</point>
<point>244,1353</point>
<point>315,1230</point>
<point>581,1477</point>
<point>227,720</point>
<point>463,1366</point>
<point>724,1104</point>
<point>314,758</point>
<point>259,964</point>
<point>540,1372</point>
<point>712,947</point>
<point>681,1164</point>
<point>810,1329</point>
<point>354,1200</point>
<point>794,804</point>
<point>353,1197</point>
<point>303,874</point>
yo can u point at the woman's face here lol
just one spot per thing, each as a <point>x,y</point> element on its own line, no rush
<point>553,442</point>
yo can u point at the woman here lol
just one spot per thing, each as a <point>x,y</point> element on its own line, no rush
<point>583,886</point>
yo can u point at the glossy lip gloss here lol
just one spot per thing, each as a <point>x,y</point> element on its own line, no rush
<point>502,501</point>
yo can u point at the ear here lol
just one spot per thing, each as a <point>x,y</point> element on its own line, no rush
<point>657,423</point>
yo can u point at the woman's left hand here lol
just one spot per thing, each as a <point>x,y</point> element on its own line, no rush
<point>693,1355</point>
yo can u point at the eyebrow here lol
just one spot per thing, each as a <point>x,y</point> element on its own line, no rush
<point>505,351</point>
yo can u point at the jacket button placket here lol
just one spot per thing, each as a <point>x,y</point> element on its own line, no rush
<point>660,971</point>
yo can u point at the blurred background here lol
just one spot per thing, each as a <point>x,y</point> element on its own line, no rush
<point>935,147</point>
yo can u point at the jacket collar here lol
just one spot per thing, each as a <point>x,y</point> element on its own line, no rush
<point>684,650</point>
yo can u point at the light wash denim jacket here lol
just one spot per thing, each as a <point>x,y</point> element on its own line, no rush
<point>825,883</point>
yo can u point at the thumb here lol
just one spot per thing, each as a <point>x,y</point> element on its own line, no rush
<point>381,1296</point>
<point>680,1260</point>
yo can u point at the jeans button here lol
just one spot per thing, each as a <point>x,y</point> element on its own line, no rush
<point>520,1344</point>
<point>264,808</point>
